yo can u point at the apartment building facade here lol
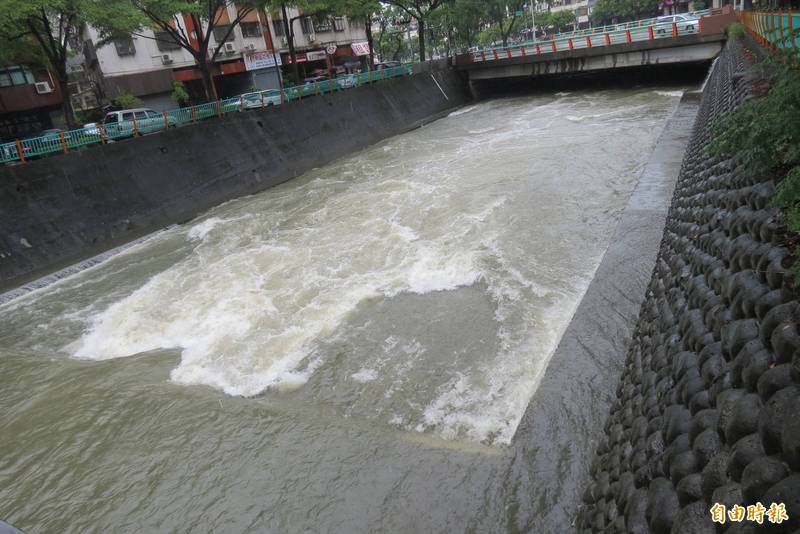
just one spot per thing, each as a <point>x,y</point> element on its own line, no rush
<point>322,43</point>
<point>148,63</point>
<point>30,101</point>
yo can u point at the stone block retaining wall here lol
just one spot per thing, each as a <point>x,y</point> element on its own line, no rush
<point>708,406</point>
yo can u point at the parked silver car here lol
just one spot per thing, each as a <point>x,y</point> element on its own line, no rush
<point>685,23</point>
<point>138,121</point>
<point>268,97</point>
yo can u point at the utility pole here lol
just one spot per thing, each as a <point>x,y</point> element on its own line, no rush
<point>533,21</point>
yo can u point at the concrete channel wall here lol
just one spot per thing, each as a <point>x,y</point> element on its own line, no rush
<point>708,407</point>
<point>66,208</point>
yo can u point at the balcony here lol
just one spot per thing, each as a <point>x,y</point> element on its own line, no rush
<point>26,98</point>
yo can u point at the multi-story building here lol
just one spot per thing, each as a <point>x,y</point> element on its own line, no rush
<point>148,63</point>
<point>30,101</point>
<point>85,90</point>
<point>322,43</point>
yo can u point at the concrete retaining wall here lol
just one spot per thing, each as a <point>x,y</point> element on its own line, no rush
<point>62,209</point>
<point>708,407</point>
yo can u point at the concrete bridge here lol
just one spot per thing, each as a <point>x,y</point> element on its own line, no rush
<point>636,44</point>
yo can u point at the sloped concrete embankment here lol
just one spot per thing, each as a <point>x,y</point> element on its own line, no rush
<point>708,407</point>
<point>63,209</point>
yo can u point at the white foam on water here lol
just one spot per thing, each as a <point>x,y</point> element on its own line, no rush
<point>463,111</point>
<point>200,230</point>
<point>268,279</point>
<point>670,94</point>
<point>246,311</point>
<point>365,375</point>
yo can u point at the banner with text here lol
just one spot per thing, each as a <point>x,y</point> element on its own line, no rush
<point>260,60</point>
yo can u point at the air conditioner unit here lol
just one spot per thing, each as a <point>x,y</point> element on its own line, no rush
<point>249,48</point>
<point>166,59</point>
<point>43,88</point>
<point>230,48</point>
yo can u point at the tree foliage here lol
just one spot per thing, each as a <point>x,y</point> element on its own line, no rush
<point>205,15</point>
<point>558,20</point>
<point>419,10</point>
<point>503,16</point>
<point>609,11</point>
<point>764,134</point>
<point>50,26</point>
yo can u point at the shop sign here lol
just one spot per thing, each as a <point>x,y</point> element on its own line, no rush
<point>301,58</point>
<point>316,55</point>
<point>260,60</point>
<point>331,49</point>
<point>360,49</point>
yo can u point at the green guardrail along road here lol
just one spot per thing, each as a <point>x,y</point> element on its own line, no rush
<point>58,142</point>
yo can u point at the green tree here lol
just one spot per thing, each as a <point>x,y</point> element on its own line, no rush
<point>561,19</point>
<point>205,16</point>
<point>361,11</point>
<point>458,23</point>
<point>179,94</point>
<point>504,16</point>
<point>419,10</point>
<point>608,11</point>
<point>51,25</point>
<point>391,42</point>
<point>306,8</point>
<point>127,101</point>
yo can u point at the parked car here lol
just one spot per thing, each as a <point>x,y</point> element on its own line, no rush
<point>128,122</point>
<point>312,79</point>
<point>387,65</point>
<point>686,24</point>
<point>347,81</point>
<point>91,128</point>
<point>268,97</point>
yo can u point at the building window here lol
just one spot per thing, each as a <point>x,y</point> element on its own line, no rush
<point>124,47</point>
<point>165,42</point>
<point>221,31</point>
<point>338,24</point>
<point>279,30</point>
<point>306,25</point>
<point>321,24</point>
<point>250,29</point>
<point>16,76</point>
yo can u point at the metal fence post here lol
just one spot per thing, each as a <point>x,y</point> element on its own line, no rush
<point>64,144</point>
<point>20,151</point>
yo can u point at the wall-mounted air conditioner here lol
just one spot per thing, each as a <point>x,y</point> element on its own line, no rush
<point>230,48</point>
<point>250,48</point>
<point>43,88</point>
<point>166,59</point>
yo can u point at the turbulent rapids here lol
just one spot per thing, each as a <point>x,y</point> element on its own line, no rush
<point>373,329</point>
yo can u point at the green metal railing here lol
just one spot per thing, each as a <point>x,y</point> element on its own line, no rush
<point>64,142</point>
<point>774,29</point>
